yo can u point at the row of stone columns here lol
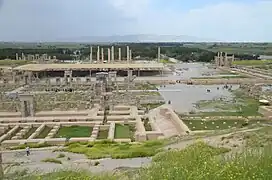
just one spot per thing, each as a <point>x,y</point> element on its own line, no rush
<point>34,57</point>
<point>110,55</point>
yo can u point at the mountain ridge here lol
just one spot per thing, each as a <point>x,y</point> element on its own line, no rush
<point>137,38</point>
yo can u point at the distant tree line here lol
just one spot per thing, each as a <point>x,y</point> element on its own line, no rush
<point>143,50</point>
<point>147,51</point>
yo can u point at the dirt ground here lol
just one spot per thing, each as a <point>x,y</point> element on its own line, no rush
<point>17,160</point>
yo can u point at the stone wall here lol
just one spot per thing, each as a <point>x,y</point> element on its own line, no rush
<point>179,124</point>
<point>265,111</point>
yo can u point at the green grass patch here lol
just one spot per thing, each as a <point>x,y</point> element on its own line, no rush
<point>61,175</point>
<point>201,161</point>
<point>52,160</point>
<point>103,134</point>
<point>103,149</point>
<point>61,155</point>
<point>242,105</point>
<point>74,131</point>
<point>30,132</point>
<point>44,133</point>
<point>196,162</point>
<point>259,138</point>
<point>14,62</point>
<point>196,125</point>
<point>221,77</point>
<point>252,62</point>
<point>123,131</point>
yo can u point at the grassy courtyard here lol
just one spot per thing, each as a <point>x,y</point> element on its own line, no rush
<point>252,62</point>
<point>123,131</point>
<point>30,132</point>
<point>44,133</point>
<point>221,124</point>
<point>103,134</point>
<point>74,131</point>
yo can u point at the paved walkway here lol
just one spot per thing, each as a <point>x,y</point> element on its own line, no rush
<point>76,161</point>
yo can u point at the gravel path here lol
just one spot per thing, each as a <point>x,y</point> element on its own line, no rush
<point>76,161</point>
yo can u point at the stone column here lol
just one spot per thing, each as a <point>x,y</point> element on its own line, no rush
<point>91,54</point>
<point>130,55</point>
<point>37,56</point>
<point>29,77</point>
<point>226,63</point>
<point>119,54</point>
<point>31,108</point>
<point>112,54</point>
<point>17,57</point>
<point>67,76</point>
<point>23,56</point>
<point>13,76</point>
<point>159,54</point>
<point>109,55</point>
<point>23,109</point>
<point>221,59</point>
<point>102,55</point>
<point>98,55</point>
<point>127,54</point>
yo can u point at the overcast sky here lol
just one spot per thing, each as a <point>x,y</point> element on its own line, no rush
<point>49,20</point>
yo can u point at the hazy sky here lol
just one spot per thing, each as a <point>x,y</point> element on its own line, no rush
<point>227,20</point>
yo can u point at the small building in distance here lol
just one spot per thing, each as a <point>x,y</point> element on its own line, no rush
<point>223,60</point>
<point>265,57</point>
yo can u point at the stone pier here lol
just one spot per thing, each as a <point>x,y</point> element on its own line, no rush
<point>98,55</point>
<point>119,54</point>
<point>159,54</point>
<point>27,105</point>
<point>91,54</point>
<point>127,54</point>
<point>112,54</point>
<point>130,55</point>
<point>67,76</point>
<point>102,55</point>
<point>109,55</point>
<point>27,77</point>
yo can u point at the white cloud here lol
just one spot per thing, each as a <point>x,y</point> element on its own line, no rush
<point>230,21</point>
<point>131,8</point>
<point>51,19</point>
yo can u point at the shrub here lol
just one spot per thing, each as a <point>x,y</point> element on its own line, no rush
<point>52,160</point>
<point>61,155</point>
<point>96,163</point>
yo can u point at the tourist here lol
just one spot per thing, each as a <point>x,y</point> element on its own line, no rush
<point>27,151</point>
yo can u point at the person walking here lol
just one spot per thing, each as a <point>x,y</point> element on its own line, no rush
<point>27,151</point>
